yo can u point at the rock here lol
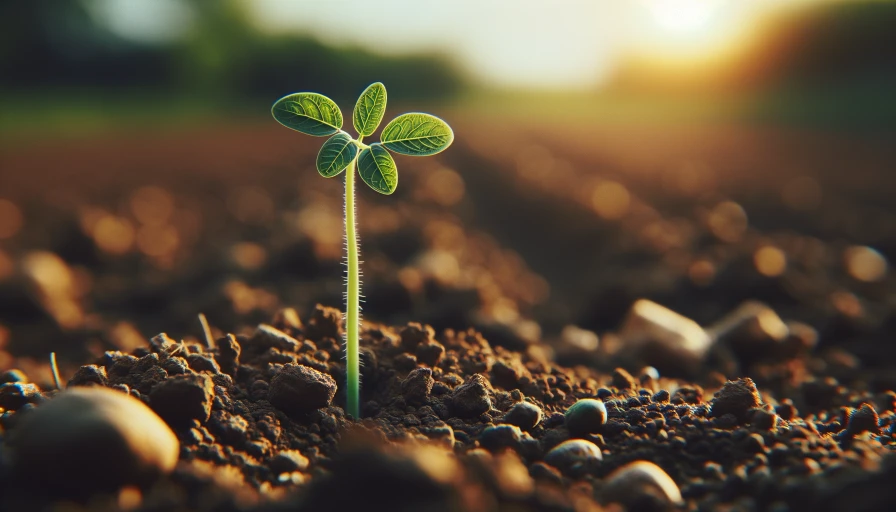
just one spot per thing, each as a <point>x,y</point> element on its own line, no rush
<point>753,331</point>
<point>621,379</point>
<point>498,437</point>
<point>266,337</point>
<point>183,398</point>
<point>89,375</point>
<point>471,398</point>
<point>91,439</point>
<point>288,461</point>
<point>14,395</point>
<point>586,416</point>
<point>524,415</point>
<point>663,338</point>
<point>863,419</point>
<point>161,343</point>
<point>417,386</point>
<point>297,389</point>
<point>736,398</point>
<point>764,420</point>
<point>203,363</point>
<point>573,455</point>
<point>641,486</point>
<point>228,356</point>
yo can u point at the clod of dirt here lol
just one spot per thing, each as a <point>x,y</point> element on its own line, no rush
<point>573,454</point>
<point>91,439</point>
<point>228,356</point>
<point>524,415</point>
<point>415,334</point>
<point>764,420</point>
<point>622,379</point>
<point>471,398</point>
<point>324,323</point>
<point>417,386</point>
<point>642,486</point>
<point>89,375</point>
<point>430,352</point>
<point>14,395</point>
<point>288,461</point>
<point>297,389</point>
<point>865,419</point>
<point>735,398</point>
<point>586,416</point>
<point>183,398</point>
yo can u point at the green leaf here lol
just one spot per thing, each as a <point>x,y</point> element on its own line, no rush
<point>377,169</point>
<point>308,112</point>
<point>370,109</point>
<point>417,134</point>
<point>335,155</point>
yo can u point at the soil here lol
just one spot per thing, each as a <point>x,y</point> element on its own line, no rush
<point>474,351</point>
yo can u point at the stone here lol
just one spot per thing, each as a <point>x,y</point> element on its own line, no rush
<point>89,375</point>
<point>573,454</point>
<point>664,338</point>
<point>471,398</point>
<point>524,415</point>
<point>13,375</point>
<point>297,389</point>
<point>641,485</point>
<point>736,398</point>
<point>586,416</point>
<point>498,437</point>
<point>753,331</point>
<point>183,398</point>
<point>417,387</point>
<point>15,395</point>
<point>863,419</point>
<point>91,439</point>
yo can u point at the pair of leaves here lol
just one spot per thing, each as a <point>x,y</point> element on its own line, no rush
<point>414,134</point>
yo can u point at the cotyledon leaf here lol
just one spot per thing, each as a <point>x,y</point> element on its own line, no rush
<point>335,155</point>
<point>417,134</point>
<point>370,109</point>
<point>377,169</point>
<point>308,112</point>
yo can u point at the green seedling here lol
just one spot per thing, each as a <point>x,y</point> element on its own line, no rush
<point>414,134</point>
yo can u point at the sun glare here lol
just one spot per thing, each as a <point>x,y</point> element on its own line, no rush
<point>682,16</point>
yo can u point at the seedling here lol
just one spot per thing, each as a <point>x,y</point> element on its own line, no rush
<point>414,134</point>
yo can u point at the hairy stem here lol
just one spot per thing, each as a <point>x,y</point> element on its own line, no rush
<point>352,299</point>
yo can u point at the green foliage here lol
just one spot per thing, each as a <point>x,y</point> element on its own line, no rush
<point>409,134</point>
<point>417,134</point>
<point>336,154</point>
<point>370,109</point>
<point>309,113</point>
<point>377,169</point>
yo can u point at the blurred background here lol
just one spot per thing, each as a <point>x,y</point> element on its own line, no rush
<point>697,153</point>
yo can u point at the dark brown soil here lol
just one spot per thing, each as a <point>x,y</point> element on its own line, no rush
<point>799,417</point>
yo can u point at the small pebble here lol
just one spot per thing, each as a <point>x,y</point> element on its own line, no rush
<point>622,379</point>
<point>298,389</point>
<point>13,375</point>
<point>183,398</point>
<point>14,395</point>
<point>586,416</point>
<point>471,398</point>
<point>642,486</point>
<point>499,437</point>
<point>417,387</point>
<point>736,398</point>
<point>863,419</point>
<point>572,454</point>
<point>524,415</point>
<point>91,439</point>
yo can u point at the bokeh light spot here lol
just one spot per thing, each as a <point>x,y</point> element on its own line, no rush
<point>770,261</point>
<point>865,264</point>
<point>610,200</point>
<point>728,221</point>
<point>152,206</point>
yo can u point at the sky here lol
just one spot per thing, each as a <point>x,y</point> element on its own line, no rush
<point>518,43</point>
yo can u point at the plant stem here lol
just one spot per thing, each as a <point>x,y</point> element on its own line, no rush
<point>352,298</point>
